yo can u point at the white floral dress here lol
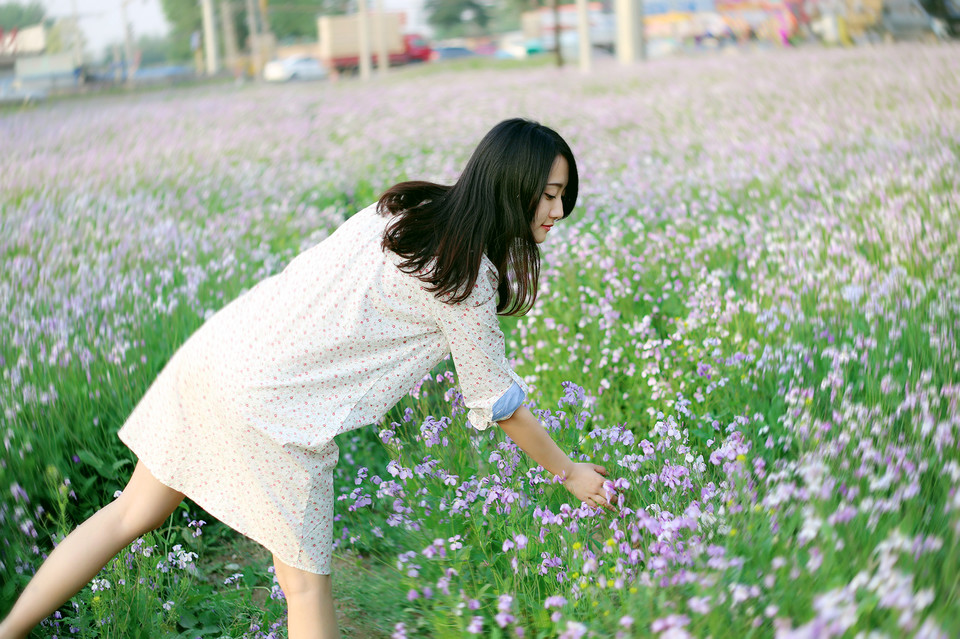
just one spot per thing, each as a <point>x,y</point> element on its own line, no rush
<point>243,416</point>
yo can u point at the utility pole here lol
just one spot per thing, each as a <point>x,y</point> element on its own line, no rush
<point>264,18</point>
<point>210,37</point>
<point>127,43</point>
<point>631,45</point>
<point>253,39</point>
<point>383,58</point>
<point>77,53</point>
<point>229,35</point>
<point>583,35</point>
<point>363,26</point>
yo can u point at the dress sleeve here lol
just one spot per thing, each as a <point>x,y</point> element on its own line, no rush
<point>473,335</point>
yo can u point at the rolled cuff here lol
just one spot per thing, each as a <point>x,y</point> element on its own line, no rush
<point>481,414</point>
<point>508,403</point>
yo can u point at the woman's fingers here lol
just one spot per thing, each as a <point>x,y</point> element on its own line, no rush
<point>599,501</point>
<point>611,493</point>
<point>595,491</point>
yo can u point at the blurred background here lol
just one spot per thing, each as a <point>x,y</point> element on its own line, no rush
<point>63,46</point>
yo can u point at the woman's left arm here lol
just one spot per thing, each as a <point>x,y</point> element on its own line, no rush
<point>584,480</point>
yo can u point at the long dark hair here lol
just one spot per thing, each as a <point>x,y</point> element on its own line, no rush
<point>443,231</point>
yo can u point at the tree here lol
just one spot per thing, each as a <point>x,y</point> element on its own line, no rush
<point>506,14</point>
<point>14,15</point>
<point>458,17</point>
<point>184,17</point>
<point>64,35</point>
<point>297,19</point>
<point>153,50</point>
<point>289,19</point>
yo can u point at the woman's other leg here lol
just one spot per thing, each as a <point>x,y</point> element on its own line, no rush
<point>310,611</point>
<point>143,505</point>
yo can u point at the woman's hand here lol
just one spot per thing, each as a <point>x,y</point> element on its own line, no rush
<point>586,482</point>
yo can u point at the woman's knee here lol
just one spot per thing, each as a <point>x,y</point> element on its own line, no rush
<point>145,503</point>
<point>296,582</point>
<point>137,519</point>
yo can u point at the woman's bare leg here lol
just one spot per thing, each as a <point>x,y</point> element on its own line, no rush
<point>310,611</point>
<point>143,505</point>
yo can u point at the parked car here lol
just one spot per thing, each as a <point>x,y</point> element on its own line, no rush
<point>295,68</point>
<point>450,53</point>
<point>909,20</point>
<point>516,45</point>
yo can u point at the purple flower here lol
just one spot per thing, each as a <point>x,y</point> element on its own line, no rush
<point>574,630</point>
<point>476,625</point>
<point>572,395</point>
<point>700,605</point>
<point>669,622</point>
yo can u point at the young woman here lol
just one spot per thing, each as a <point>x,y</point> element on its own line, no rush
<point>243,417</point>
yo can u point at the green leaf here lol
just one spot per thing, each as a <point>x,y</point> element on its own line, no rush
<point>187,619</point>
<point>91,460</point>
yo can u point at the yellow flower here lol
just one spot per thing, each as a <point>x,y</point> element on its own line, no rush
<point>733,531</point>
<point>633,590</point>
<point>611,542</point>
<point>577,545</point>
<point>741,458</point>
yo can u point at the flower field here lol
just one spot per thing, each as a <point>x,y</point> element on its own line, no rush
<point>751,320</point>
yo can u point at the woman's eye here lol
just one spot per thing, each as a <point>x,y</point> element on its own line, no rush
<point>549,197</point>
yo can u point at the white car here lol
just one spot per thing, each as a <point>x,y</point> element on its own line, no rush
<point>296,68</point>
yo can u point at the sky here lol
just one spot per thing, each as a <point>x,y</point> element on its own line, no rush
<point>102,25</point>
<point>101,22</point>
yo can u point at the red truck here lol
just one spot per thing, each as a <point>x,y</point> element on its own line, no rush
<point>339,41</point>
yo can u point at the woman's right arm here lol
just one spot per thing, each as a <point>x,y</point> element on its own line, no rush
<point>584,480</point>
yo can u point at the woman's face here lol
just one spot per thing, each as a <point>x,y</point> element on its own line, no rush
<point>550,207</point>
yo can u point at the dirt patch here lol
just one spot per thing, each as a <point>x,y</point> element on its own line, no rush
<point>367,600</point>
